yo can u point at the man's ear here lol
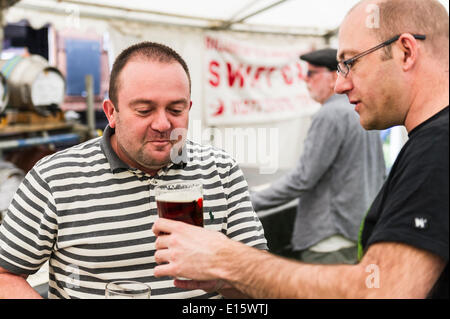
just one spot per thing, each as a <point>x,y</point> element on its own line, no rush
<point>110,112</point>
<point>409,49</point>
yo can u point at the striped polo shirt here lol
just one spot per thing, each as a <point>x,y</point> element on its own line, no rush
<point>90,215</point>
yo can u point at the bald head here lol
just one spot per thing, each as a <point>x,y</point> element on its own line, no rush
<point>428,17</point>
<point>406,81</point>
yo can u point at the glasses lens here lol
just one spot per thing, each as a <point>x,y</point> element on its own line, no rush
<point>342,69</point>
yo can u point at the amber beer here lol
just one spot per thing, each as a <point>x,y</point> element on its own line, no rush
<point>181,202</point>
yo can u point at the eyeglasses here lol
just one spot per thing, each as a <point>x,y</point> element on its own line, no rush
<point>343,67</point>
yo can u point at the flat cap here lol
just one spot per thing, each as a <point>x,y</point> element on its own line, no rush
<point>323,57</point>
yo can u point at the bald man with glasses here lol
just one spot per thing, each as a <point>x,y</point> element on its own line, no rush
<point>404,238</point>
<point>337,177</point>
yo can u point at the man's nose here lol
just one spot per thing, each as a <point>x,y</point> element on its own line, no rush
<point>343,84</point>
<point>160,122</point>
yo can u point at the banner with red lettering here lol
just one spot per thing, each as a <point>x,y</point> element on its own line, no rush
<point>253,83</point>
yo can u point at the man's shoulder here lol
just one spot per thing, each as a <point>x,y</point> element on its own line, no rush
<point>84,152</point>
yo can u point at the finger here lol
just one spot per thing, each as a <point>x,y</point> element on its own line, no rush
<point>162,256</point>
<point>163,270</point>
<point>162,242</point>
<point>164,225</point>
<point>158,226</point>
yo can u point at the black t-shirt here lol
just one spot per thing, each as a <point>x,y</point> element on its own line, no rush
<point>413,204</point>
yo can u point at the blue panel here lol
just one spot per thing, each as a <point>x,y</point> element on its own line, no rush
<point>83,57</point>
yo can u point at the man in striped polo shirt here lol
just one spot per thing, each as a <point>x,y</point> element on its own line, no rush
<point>89,209</point>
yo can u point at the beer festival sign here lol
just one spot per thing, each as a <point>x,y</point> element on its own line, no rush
<point>248,83</point>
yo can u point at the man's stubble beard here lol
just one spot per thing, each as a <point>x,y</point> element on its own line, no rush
<point>144,160</point>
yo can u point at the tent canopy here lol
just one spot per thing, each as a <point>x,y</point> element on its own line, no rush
<point>298,17</point>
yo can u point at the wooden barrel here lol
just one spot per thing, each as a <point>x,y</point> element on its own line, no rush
<point>33,84</point>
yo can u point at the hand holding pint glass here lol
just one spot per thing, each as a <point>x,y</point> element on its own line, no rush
<point>181,202</point>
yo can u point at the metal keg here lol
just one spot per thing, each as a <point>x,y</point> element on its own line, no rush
<point>33,84</point>
<point>4,93</point>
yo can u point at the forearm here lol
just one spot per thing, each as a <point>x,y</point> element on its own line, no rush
<point>378,275</point>
<point>262,275</point>
<point>16,287</point>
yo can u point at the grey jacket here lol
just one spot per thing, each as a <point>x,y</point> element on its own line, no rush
<point>338,175</point>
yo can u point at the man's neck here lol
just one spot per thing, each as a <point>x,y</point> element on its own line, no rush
<point>430,98</point>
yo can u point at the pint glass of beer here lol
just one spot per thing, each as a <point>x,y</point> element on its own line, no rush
<point>181,202</point>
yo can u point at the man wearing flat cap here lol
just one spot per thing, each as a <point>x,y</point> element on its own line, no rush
<point>337,177</point>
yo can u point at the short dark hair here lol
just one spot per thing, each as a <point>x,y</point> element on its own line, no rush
<point>150,50</point>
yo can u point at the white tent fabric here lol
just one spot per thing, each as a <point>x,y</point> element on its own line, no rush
<point>281,16</point>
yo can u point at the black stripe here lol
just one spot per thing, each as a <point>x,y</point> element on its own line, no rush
<point>239,191</point>
<point>240,221</point>
<point>216,184</point>
<point>113,206</point>
<point>119,244</point>
<point>78,174</point>
<point>21,262</point>
<point>74,165</point>
<point>83,185</point>
<point>259,246</point>
<point>29,241</point>
<point>244,230</point>
<point>193,167</point>
<point>244,209</point>
<point>39,209</point>
<point>102,270</point>
<point>195,177</point>
<point>106,220</point>
<point>32,190</point>
<point>54,291</point>
<point>243,199</point>
<point>72,152</point>
<point>235,181</point>
<point>109,258</point>
<point>107,232</point>
<point>213,209</point>
<point>214,196</point>
<point>103,195</point>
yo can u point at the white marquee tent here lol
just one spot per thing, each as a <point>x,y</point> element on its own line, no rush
<point>319,17</point>
<point>258,40</point>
